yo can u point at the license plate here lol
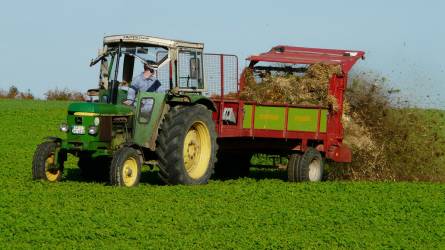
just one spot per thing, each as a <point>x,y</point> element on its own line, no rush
<point>78,130</point>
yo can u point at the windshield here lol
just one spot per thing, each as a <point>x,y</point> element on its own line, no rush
<point>131,61</point>
<point>151,54</point>
<point>120,64</point>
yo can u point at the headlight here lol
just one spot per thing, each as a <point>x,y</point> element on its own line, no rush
<point>92,130</point>
<point>64,127</point>
<point>96,121</point>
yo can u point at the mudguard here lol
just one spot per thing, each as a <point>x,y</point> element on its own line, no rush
<point>52,139</point>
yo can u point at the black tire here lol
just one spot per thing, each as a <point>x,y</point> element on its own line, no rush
<point>125,169</point>
<point>179,122</point>
<point>232,165</point>
<point>310,166</point>
<point>43,165</point>
<point>292,167</point>
<point>94,168</point>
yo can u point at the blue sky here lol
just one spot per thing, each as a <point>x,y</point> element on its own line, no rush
<point>48,44</point>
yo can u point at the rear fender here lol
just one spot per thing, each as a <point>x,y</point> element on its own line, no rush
<point>52,139</point>
<point>61,154</point>
<point>138,148</point>
<point>206,102</point>
<point>192,99</point>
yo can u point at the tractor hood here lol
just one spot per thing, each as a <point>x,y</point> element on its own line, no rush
<point>98,109</point>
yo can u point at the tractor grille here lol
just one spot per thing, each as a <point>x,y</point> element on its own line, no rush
<point>105,129</point>
<point>78,120</point>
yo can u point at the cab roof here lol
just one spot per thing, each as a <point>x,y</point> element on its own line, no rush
<point>302,55</point>
<point>151,40</point>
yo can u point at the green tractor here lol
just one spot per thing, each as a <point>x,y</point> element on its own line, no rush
<point>172,128</point>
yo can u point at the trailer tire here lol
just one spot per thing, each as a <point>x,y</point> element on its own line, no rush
<point>310,166</point>
<point>125,169</point>
<point>186,145</point>
<point>292,167</point>
<point>43,165</point>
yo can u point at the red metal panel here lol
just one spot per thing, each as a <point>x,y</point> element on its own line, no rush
<point>318,122</point>
<point>339,153</point>
<point>301,55</point>
<point>286,121</point>
<point>252,121</point>
<point>221,109</point>
<point>218,99</point>
<point>240,117</point>
<point>232,131</point>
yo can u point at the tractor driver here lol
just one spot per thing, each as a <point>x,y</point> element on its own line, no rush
<point>146,81</point>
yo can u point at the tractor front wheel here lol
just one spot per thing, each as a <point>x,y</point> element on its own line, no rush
<point>125,169</point>
<point>44,165</point>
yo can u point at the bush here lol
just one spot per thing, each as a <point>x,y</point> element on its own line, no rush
<point>27,95</point>
<point>14,93</point>
<point>64,95</point>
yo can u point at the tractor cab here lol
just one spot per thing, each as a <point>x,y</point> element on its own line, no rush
<point>178,67</point>
<point>176,64</point>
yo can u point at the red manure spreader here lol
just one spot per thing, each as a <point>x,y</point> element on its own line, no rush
<point>307,134</point>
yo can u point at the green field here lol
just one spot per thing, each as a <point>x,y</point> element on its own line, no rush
<point>263,211</point>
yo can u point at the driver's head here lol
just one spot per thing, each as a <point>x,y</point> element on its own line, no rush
<point>148,68</point>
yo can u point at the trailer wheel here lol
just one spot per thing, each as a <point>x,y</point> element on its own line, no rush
<point>125,169</point>
<point>186,145</point>
<point>292,167</point>
<point>308,167</point>
<point>44,166</point>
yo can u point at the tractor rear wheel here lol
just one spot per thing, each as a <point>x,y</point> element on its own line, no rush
<point>125,169</point>
<point>307,167</point>
<point>186,145</point>
<point>44,165</point>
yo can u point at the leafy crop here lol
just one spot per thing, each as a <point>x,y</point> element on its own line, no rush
<point>262,211</point>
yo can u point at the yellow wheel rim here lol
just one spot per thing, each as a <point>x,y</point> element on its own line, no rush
<point>130,172</point>
<point>197,150</point>
<point>52,173</point>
